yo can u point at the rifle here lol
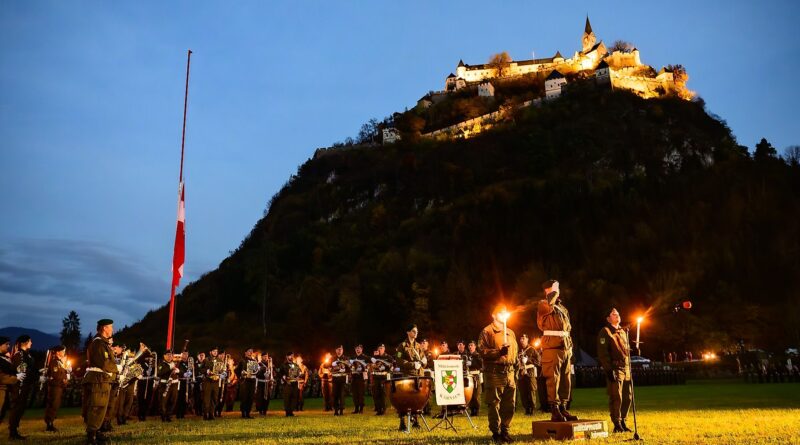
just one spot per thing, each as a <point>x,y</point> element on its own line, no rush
<point>46,373</point>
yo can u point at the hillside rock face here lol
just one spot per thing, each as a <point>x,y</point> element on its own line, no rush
<point>628,202</point>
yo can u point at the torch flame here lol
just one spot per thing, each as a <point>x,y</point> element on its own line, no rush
<point>436,351</point>
<point>503,316</point>
<point>537,343</point>
<point>640,320</point>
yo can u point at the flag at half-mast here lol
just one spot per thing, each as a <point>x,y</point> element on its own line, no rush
<point>179,255</point>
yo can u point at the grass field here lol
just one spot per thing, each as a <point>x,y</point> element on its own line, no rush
<point>717,412</point>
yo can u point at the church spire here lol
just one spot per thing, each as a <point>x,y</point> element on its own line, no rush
<point>588,28</point>
<point>588,39</point>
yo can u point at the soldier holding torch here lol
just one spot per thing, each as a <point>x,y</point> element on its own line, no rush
<point>498,347</point>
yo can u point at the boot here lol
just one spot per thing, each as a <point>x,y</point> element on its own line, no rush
<point>102,438</point>
<point>105,427</point>
<point>496,438</point>
<point>402,424</point>
<point>617,427</point>
<point>625,427</point>
<point>91,438</point>
<point>13,434</point>
<point>563,408</point>
<point>52,428</point>
<point>505,437</point>
<point>555,413</point>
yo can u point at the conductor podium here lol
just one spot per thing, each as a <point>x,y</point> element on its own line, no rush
<point>577,429</point>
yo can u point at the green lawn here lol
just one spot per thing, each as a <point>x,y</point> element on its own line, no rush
<point>718,412</point>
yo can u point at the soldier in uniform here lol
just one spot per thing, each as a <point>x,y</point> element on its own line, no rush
<point>197,383</point>
<point>410,358</point>
<point>553,320</point>
<point>167,386</point>
<point>145,387</point>
<point>56,378</point>
<point>443,348</point>
<point>474,364</point>
<point>246,371</point>
<point>290,375</point>
<point>498,347</point>
<point>100,372</point>
<point>24,363</point>
<point>230,387</point>
<point>214,368</point>
<point>302,381</point>
<point>8,373</point>
<point>340,370</point>
<point>380,371</point>
<point>184,376</point>
<point>358,376</point>
<point>614,353</point>
<point>527,361</point>
<point>127,390</point>
<point>111,412</point>
<point>427,371</point>
<point>264,381</point>
<point>324,374</point>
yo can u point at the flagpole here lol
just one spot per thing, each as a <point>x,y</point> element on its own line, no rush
<point>178,256</point>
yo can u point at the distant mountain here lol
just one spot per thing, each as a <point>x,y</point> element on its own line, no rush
<point>41,340</point>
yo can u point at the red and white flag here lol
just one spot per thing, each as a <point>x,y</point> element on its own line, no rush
<point>179,255</point>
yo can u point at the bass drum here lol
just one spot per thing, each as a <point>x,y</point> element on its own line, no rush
<point>408,394</point>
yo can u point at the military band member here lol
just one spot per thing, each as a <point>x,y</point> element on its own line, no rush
<point>167,374</point>
<point>111,412</point>
<point>410,359</point>
<point>340,371</point>
<point>443,348</point>
<point>527,361</point>
<point>145,387</point>
<point>214,367</point>
<point>498,347</point>
<point>56,378</point>
<point>184,377</point>
<point>326,381</point>
<point>100,372</point>
<point>290,376</point>
<point>197,383</point>
<point>127,389</point>
<point>26,377</point>
<point>553,320</point>
<point>246,371</point>
<point>474,364</point>
<point>230,387</point>
<point>8,373</point>
<point>380,371</point>
<point>427,371</point>
<point>358,378</point>
<point>302,381</point>
<point>614,353</point>
<point>264,382</point>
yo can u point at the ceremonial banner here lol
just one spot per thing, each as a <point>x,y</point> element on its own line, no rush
<point>449,378</point>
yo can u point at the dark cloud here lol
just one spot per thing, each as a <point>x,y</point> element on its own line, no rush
<point>41,280</point>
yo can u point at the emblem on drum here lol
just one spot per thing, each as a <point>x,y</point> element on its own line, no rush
<point>449,380</point>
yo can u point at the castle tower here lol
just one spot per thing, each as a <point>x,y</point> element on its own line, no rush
<point>588,40</point>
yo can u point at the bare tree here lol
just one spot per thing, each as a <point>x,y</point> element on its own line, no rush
<point>792,155</point>
<point>621,46</point>
<point>500,62</point>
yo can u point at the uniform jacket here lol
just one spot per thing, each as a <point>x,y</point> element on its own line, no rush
<point>24,359</point>
<point>529,358</point>
<point>490,341</point>
<point>340,365</point>
<point>613,349</point>
<point>99,355</point>
<point>407,353</point>
<point>554,317</point>
<point>57,372</point>
<point>357,368</point>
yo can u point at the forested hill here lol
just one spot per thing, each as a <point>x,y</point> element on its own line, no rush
<point>628,202</point>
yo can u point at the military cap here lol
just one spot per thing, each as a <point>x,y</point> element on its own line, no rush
<point>214,348</point>
<point>289,354</point>
<point>359,345</point>
<point>24,338</point>
<point>499,308</point>
<point>381,345</point>
<point>548,284</point>
<point>340,346</point>
<point>411,327</point>
<point>168,351</point>
<point>4,340</point>
<point>523,336</point>
<point>460,342</point>
<point>423,340</point>
<point>443,342</point>
<point>472,342</point>
<point>59,348</point>
<point>104,322</point>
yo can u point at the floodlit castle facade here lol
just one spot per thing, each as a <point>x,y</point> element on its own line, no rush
<point>621,69</point>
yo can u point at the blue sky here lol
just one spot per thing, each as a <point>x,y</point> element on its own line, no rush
<point>91,102</point>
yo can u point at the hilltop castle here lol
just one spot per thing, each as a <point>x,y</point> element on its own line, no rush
<point>622,68</point>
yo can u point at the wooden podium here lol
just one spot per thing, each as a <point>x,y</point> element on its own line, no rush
<point>577,429</point>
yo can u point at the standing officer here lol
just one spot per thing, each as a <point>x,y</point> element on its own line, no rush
<point>427,371</point>
<point>380,370</point>
<point>324,373</point>
<point>127,390</point>
<point>474,364</point>
<point>8,373</point>
<point>614,352</point>
<point>498,346</point>
<point>246,371</point>
<point>290,375</point>
<point>263,384</point>
<point>100,372</point>
<point>184,377</point>
<point>553,320</point>
<point>26,376</point>
<point>410,358</point>
<point>168,386</point>
<point>302,381</point>
<point>358,375</point>
<point>214,367</point>
<point>197,384</point>
<point>340,370</point>
<point>58,375</point>
<point>144,386</point>
<point>528,359</point>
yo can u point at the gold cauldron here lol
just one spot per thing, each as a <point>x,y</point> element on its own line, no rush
<point>469,389</point>
<point>408,394</point>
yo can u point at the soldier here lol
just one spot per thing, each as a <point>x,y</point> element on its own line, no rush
<point>614,353</point>
<point>100,372</point>
<point>443,348</point>
<point>264,381</point>
<point>553,320</point>
<point>474,364</point>
<point>214,367</point>
<point>197,383</point>
<point>145,386</point>
<point>301,382</point>
<point>167,386</point>
<point>498,347</point>
<point>57,376</point>
<point>410,358</point>
<point>111,412</point>
<point>527,361</point>
<point>24,363</point>
<point>246,371</point>
<point>340,370</point>
<point>8,373</point>
<point>324,374</point>
<point>229,388</point>
<point>380,371</point>
<point>290,375</point>
<point>126,391</point>
<point>358,376</point>
<point>427,371</point>
<point>184,377</point>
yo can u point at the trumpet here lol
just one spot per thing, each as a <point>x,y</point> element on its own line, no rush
<point>142,349</point>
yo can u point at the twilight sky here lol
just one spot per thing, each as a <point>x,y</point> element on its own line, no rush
<point>91,102</point>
